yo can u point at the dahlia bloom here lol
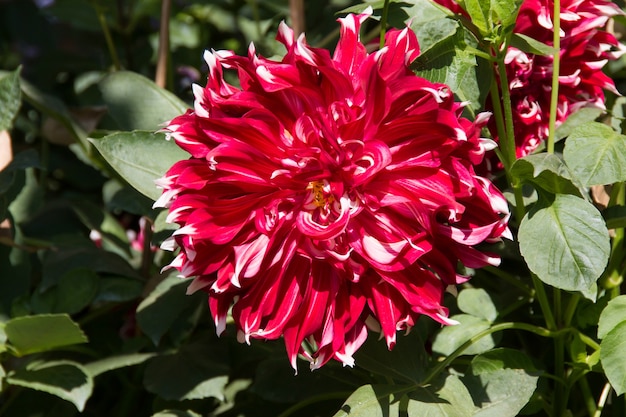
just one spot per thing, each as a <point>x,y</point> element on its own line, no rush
<point>328,195</point>
<point>585,48</point>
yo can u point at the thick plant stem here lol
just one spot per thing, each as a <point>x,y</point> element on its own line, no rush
<point>556,64</point>
<point>383,23</point>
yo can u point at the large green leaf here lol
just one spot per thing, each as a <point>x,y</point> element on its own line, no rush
<point>612,315</point>
<point>450,338</point>
<point>501,382</point>
<point>65,379</point>
<point>10,98</point>
<point>137,103</point>
<point>140,157</point>
<point>31,334</point>
<point>545,171</point>
<point>447,398</point>
<point>596,154</point>
<point>565,243</point>
<point>613,359</point>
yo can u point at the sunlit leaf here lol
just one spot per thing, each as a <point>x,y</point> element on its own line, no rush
<point>450,338</point>
<point>612,315</point>
<point>116,362</point>
<point>565,243</point>
<point>137,103</point>
<point>140,157</point>
<point>596,154</point>
<point>65,379</point>
<point>613,359</point>
<point>30,334</point>
<point>478,303</point>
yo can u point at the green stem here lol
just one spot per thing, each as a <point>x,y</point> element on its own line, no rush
<point>383,23</point>
<point>107,36</point>
<point>312,400</point>
<point>542,298</point>
<point>556,64</point>
<point>571,309</point>
<point>507,143</point>
<point>541,331</point>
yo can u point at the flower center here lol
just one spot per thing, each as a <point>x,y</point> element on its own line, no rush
<point>321,193</point>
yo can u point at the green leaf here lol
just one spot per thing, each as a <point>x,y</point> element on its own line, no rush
<point>448,399</point>
<point>478,303</point>
<point>198,370</point>
<point>65,379</point>
<point>448,62</point>
<point>501,393</point>
<point>501,382</point>
<point>75,291</point>
<point>159,310</point>
<point>578,118</point>
<point>596,154</point>
<point>565,243</point>
<point>450,338</point>
<point>116,362</point>
<point>612,357</point>
<point>527,44</point>
<point>31,334</point>
<point>545,171</point>
<point>140,157</point>
<point>137,103</point>
<point>10,98</point>
<point>612,315</point>
<point>371,401</point>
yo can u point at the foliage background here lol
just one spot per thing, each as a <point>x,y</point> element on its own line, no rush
<point>91,325</point>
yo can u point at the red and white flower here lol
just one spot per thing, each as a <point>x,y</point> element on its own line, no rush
<point>328,194</point>
<point>585,49</point>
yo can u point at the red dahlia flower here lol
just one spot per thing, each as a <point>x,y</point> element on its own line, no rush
<point>328,195</point>
<point>585,49</point>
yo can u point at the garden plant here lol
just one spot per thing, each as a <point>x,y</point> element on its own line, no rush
<point>312,208</point>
